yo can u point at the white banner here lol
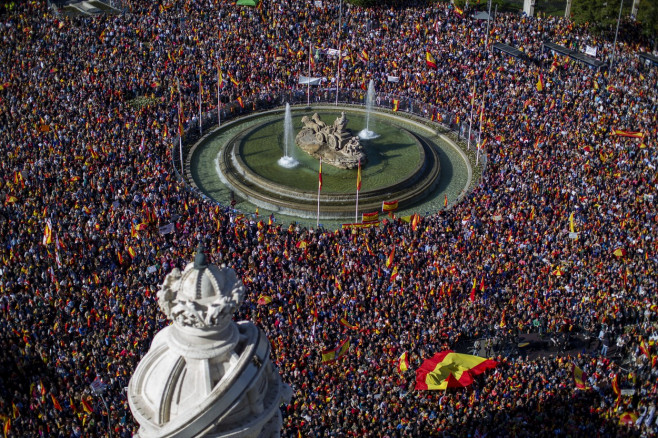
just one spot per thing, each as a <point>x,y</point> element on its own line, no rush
<point>310,81</point>
<point>394,79</point>
<point>591,51</point>
<point>333,52</point>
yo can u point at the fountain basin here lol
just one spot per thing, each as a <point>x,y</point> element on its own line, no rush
<point>403,166</point>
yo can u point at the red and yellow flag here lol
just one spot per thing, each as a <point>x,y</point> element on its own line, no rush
<point>320,176</point>
<point>391,256</point>
<point>579,378</point>
<point>264,300</point>
<point>336,353</point>
<point>240,102</point>
<point>370,217</point>
<point>615,386</point>
<point>429,59</point>
<point>403,363</point>
<point>415,220</point>
<point>86,406</point>
<point>450,370</point>
<point>56,403</point>
<point>389,205</point>
<point>345,323</point>
<point>358,177</point>
<point>631,134</point>
<point>540,82</point>
<point>396,104</point>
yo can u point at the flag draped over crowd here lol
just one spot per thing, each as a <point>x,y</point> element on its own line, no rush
<point>451,370</point>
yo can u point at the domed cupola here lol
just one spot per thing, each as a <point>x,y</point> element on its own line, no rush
<point>205,375</point>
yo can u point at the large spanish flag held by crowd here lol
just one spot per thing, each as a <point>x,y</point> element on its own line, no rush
<point>451,370</point>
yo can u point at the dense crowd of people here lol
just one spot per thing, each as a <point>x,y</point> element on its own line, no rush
<point>88,183</point>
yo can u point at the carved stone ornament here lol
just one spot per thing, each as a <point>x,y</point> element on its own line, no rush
<point>333,143</point>
<point>206,375</point>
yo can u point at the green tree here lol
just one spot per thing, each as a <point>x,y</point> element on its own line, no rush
<point>647,16</point>
<point>601,15</point>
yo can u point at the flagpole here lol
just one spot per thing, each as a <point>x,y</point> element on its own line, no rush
<point>317,223</point>
<point>219,115</point>
<point>356,213</point>
<point>486,39</point>
<point>180,127</point>
<point>200,103</point>
<point>470,121</point>
<point>308,84</point>
<point>477,154</point>
<point>358,187</point>
<point>338,76</point>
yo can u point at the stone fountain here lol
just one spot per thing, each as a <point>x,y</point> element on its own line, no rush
<point>334,144</point>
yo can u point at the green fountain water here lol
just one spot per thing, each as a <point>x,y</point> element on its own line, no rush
<point>391,156</point>
<point>258,143</point>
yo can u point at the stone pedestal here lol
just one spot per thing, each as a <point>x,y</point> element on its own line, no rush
<point>205,375</point>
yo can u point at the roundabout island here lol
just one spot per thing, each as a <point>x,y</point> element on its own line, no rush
<point>406,162</point>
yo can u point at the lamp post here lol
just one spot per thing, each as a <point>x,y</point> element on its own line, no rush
<point>614,44</point>
<point>98,388</point>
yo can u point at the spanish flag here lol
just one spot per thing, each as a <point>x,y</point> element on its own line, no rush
<point>370,217</point>
<point>264,300</point>
<point>628,418</point>
<point>415,220</point>
<point>364,56</point>
<point>336,353</point>
<point>7,427</point>
<point>619,252</point>
<point>391,256</point>
<point>451,370</point>
<point>56,403</point>
<point>320,176</point>
<point>473,290</point>
<point>579,377</point>
<point>132,252</point>
<point>48,233</point>
<point>389,205</point>
<point>644,348</point>
<point>459,11</point>
<point>572,226</point>
<point>631,134</point>
<point>540,82</point>
<point>429,59</point>
<point>358,177</point>
<point>615,386</point>
<point>403,363</point>
<point>240,102</point>
<point>394,273</point>
<point>233,80</point>
<point>345,323</point>
<point>445,201</point>
<point>396,104</point>
<point>86,406</point>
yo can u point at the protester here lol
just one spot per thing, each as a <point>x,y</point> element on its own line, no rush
<point>89,108</point>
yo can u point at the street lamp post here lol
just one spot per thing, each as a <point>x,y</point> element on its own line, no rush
<point>98,388</point>
<point>614,44</point>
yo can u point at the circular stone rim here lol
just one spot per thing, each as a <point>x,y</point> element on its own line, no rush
<point>278,198</point>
